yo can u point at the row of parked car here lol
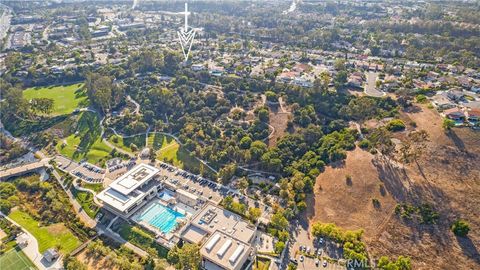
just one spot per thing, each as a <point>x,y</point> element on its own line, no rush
<point>87,178</point>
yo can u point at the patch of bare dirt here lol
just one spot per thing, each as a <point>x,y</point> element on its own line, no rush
<point>278,120</point>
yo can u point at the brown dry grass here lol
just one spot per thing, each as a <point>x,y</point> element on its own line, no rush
<point>278,120</point>
<point>447,177</point>
<point>94,263</point>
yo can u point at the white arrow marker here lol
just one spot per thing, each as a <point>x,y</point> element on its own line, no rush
<point>186,37</point>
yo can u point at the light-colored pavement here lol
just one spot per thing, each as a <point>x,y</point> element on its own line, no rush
<point>24,168</point>
<point>371,87</point>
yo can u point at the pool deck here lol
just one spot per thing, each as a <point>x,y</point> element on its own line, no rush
<point>166,239</point>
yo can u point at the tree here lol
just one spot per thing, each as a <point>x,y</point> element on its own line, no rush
<point>245,142</point>
<point>254,213</point>
<point>263,115</point>
<point>460,228</point>
<point>72,263</point>
<point>43,105</point>
<point>99,90</point>
<point>448,124</point>
<point>279,246</point>
<point>226,173</point>
<point>381,139</point>
<point>186,257</point>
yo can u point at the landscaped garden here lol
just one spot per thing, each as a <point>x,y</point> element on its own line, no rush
<point>66,98</point>
<point>52,236</point>
<point>86,201</point>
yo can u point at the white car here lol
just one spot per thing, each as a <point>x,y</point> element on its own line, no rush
<point>308,249</point>
<point>324,263</point>
<point>302,258</point>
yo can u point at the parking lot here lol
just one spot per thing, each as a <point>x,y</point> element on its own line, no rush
<point>85,171</point>
<point>192,183</point>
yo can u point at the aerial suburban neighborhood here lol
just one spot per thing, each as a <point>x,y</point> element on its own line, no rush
<point>238,135</point>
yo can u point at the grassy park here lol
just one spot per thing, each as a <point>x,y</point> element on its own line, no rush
<point>55,235</point>
<point>66,98</point>
<point>125,143</point>
<point>86,142</point>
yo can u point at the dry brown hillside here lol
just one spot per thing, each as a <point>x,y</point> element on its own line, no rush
<point>448,177</point>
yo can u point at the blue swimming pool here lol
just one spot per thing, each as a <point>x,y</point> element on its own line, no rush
<point>161,217</point>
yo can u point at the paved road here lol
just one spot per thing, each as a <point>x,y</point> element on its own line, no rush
<point>371,87</point>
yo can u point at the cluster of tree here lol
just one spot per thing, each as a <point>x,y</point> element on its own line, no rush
<point>278,227</point>
<point>402,263</point>
<point>46,203</point>
<point>9,149</point>
<point>423,213</point>
<point>41,105</point>
<point>103,92</point>
<point>11,232</point>
<point>353,246</point>
<point>186,256</point>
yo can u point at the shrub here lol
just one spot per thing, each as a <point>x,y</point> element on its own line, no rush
<point>364,144</point>
<point>460,228</point>
<point>396,125</point>
<point>421,98</point>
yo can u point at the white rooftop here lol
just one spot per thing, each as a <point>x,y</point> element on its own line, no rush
<point>125,191</point>
<point>133,178</point>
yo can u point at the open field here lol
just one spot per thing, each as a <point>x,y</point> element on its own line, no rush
<point>66,98</point>
<point>447,177</point>
<point>51,236</point>
<point>355,209</point>
<point>170,151</point>
<point>125,143</point>
<point>86,142</point>
<point>15,259</point>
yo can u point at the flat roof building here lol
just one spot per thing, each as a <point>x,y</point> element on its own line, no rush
<point>225,238</point>
<point>130,191</point>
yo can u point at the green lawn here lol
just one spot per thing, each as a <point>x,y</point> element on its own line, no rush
<point>168,150</point>
<point>95,187</point>
<point>15,259</point>
<point>86,201</point>
<point>124,143</point>
<point>65,97</point>
<point>141,238</point>
<point>55,235</point>
<point>86,142</point>
<point>158,141</point>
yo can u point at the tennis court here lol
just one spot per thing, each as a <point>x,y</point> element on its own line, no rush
<point>15,259</point>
